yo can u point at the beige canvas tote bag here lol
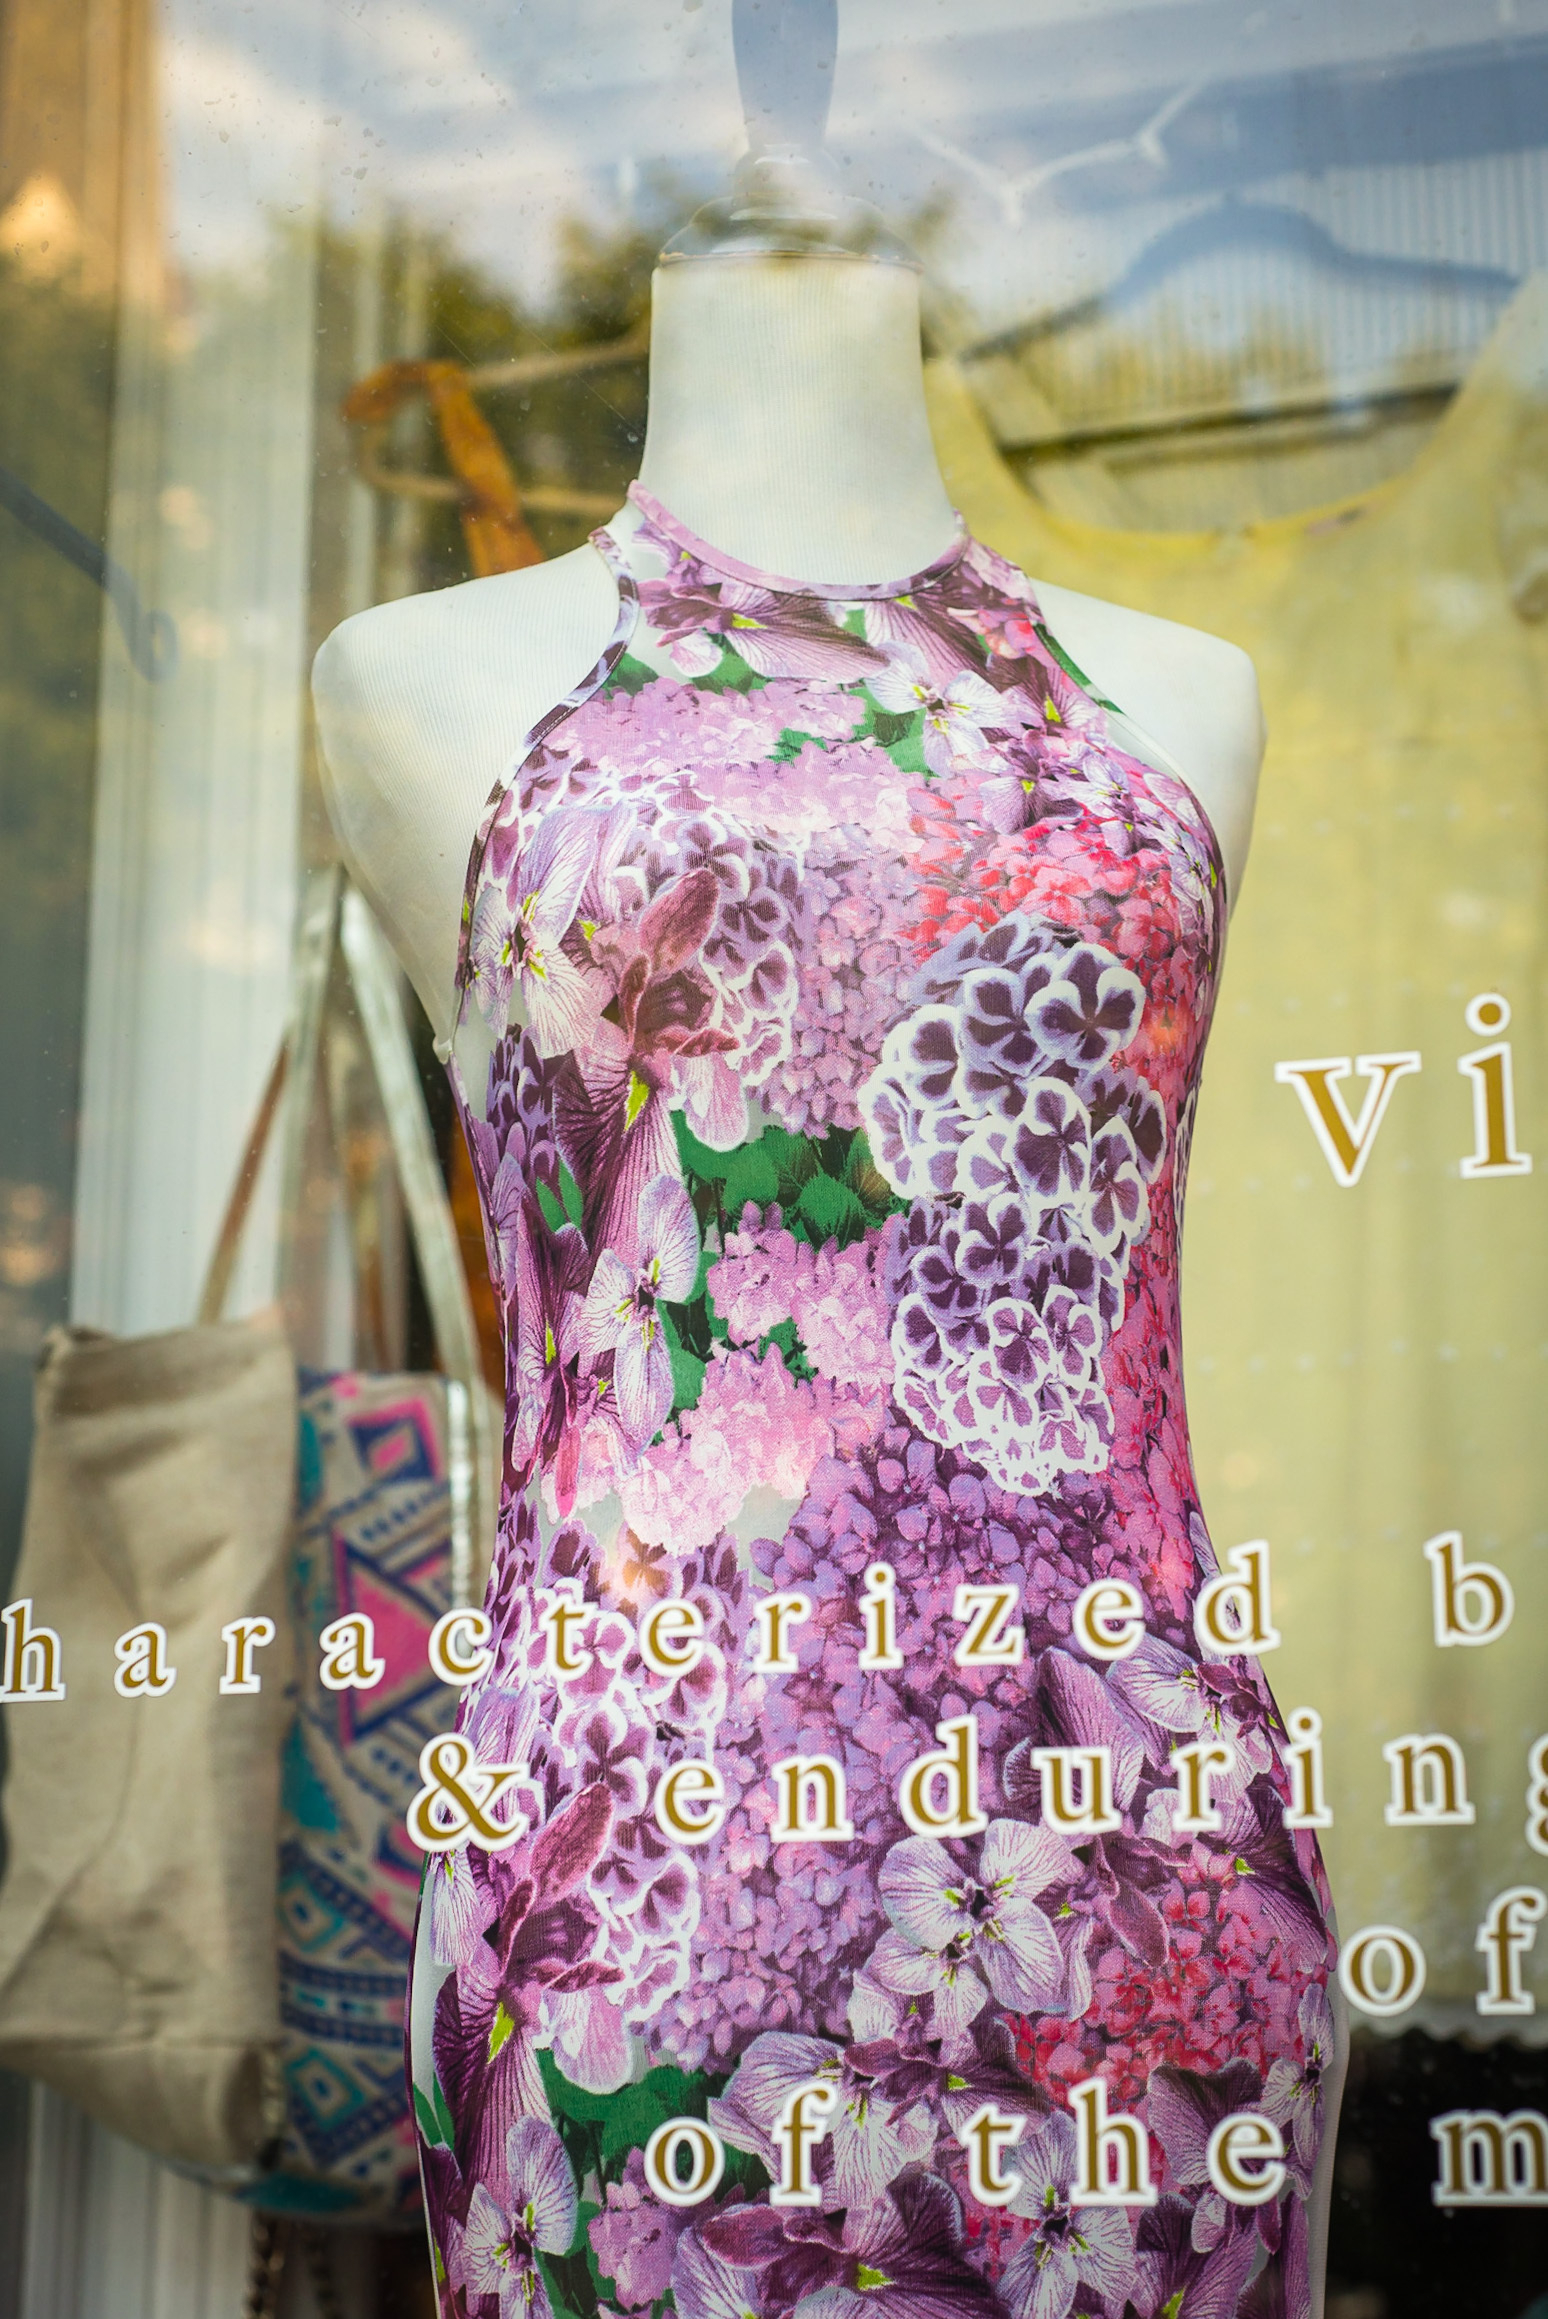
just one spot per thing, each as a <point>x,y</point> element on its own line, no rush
<point>141,1811</point>
<point>141,1802</point>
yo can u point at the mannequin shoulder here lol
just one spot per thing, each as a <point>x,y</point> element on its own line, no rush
<point>388,662</point>
<point>1206,669</point>
<point>421,705</point>
<point>1195,694</point>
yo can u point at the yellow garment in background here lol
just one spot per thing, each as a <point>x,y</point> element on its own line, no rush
<point>1368,1367</point>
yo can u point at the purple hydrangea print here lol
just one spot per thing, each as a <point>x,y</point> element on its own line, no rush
<point>1000,1109</point>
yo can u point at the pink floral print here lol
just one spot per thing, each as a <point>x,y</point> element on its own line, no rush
<point>844,988</point>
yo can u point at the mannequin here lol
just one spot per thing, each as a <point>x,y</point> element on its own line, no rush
<point>787,425</point>
<point>1015,919</point>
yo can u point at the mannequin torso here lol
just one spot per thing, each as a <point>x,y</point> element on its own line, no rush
<point>787,424</point>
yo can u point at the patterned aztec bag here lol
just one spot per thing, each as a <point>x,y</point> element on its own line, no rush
<point>391,1491</point>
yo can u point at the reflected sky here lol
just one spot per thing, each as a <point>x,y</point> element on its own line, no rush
<point>1053,134</point>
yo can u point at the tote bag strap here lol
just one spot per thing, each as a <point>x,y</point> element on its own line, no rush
<point>334,913</point>
<point>471,1448</point>
<point>295,1065</point>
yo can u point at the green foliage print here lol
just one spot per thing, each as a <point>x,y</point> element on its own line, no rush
<point>827,1189</point>
<point>598,2132</point>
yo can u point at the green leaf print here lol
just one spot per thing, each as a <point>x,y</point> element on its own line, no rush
<point>567,1208</point>
<point>900,732</point>
<point>871,1187</point>
<point>427,2121</point>
<point>732,675</point>
<point>791,1350</point>
<point>1077,676</point>
<point>631,675</point>
<point>572,2288</point>
<point>753,1176</point>
<point>828,1190</point>
<point>629,2117</point>
<point>830,1210</point>
<point>889,726</point>
<point>791,742</point>
<point>687,1368</point>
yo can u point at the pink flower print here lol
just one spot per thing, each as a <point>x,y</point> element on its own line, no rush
<point>930,1257</point>
<point>706,2286</point>
<point>900,2053</point>
<point>534,2213</point>
<point>1045,1154</point>
<point>1172,2275</point>
<point>615,889</point>
<point>648,1895</point>
<point>991,1248</point>
<point>514,945</point>
<point>1184,2107</point>
<point>900,2257</point>
<point>634,2239</point>
<point>621,1314</point>
<point>776,633</point>
<point>755,1426</point>
<point>490,2015</point>
<point>1070,719</point>
<point>614,1117</point>
<point>1120,1207</point>
<point>458,1907</point>
<point>1069,2247</point>
<point>1293,2093</point>
<point>695,1701</point>
<point>1074,1334</point>
<point>586,2025</point>
<point>601,1744</point>
<point>853,784</point>
<point>925,627</point>
<point>1008,629</point>
<point>1182,1694</point>
<point>752,1283</point>
<point>550,1273</point>
<point>1009,1371</point>
<point>998,1045</point>
<point>1010,802</point>
<point>954,717</point>
<point>1090,1010</point>
<point>946,1917</point>
<point>869,2139</point>
<point>1268,1892</point>
<point>1051,1147</point>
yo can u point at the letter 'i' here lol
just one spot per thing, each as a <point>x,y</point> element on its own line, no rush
<point>1308,1807</point>
<point>878,1616</point>
<point>1494,1150</point>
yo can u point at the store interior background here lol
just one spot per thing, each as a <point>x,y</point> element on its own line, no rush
<point>1196,265</point>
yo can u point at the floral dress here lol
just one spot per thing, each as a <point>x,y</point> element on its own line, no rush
<point>834,988</point>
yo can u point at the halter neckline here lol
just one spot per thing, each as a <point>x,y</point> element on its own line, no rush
<point>662,520</point>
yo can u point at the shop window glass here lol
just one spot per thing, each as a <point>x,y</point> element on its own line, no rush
<point>1234,317</point>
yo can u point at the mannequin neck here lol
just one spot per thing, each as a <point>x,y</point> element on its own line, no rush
<point>787,416</point>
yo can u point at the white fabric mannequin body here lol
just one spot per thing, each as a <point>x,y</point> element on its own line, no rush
<point>787,427</point>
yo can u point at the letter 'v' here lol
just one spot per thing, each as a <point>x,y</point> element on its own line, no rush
<point>1346,1143</point>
